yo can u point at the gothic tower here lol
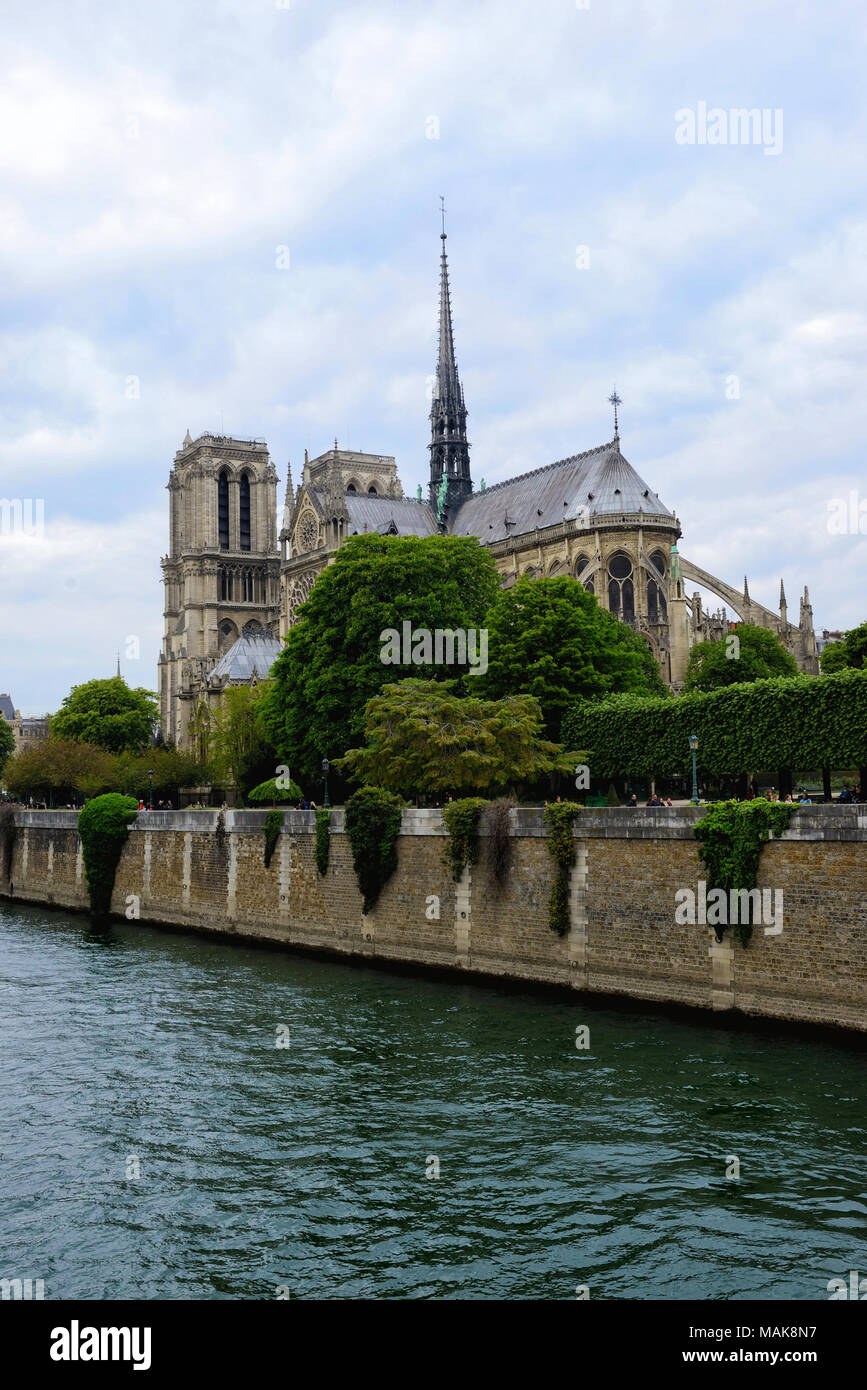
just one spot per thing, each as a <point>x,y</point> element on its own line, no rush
<point>449,450</point>
<point>222,572</point>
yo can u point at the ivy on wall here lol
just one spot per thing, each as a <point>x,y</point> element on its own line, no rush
<point>272,827</point>
<point>323,839</point>
<point>731,837</point>
<point>802,721</point>
<point>372,827</point>
<point>559,818</point>
<point>461,820</point>
<point>103,826</point>
<point>496,822</point>
<point>7,838</point>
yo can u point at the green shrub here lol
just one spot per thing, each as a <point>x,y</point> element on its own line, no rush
<point>731,836</point>
<point>323,839</point>
<point>7,838</point>
<point>273,826</point>
<point>559,817</point>
<point>271,794</point>
<point>372,826</point>
<point>103,826</point>
<point>461,819</point>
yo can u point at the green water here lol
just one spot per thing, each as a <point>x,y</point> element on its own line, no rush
<point>305,1167</point>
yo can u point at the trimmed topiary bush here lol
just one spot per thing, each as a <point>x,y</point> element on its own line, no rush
<point>461,820</point>
<point>372,826</point>
<point>269,793</point>
<point>559,818</point>
<point>323,839</point>
<point>103,826</point>
<point>271,829</point>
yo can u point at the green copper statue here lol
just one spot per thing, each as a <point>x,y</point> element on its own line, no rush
<point>441,498</point>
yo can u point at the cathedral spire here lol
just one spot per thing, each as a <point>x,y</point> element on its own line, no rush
<point>449,450</point>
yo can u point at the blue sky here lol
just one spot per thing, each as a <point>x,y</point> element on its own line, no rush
<point>154,158</point>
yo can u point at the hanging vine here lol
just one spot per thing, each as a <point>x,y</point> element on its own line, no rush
<point>731,837</point>
<point>372,827</point>
<point>496,823</point>
<point>271,829</point>
<point>461,819</point>
<point>559,818</point>
<point>103,827</point>
<point>8,834</point>
<point>323,839</point>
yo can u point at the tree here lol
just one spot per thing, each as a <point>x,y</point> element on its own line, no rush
<point>7,742</point>
<point>848,654</point>
<point>331,664</point>
<point>421,738</point>
<point>171,768</point>
<point>551,639</point>
<point>240,750</point>
<point>107,713</point>
<point>749,654</point>
<point>61,770</point>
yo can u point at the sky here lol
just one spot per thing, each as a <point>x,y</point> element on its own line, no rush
<point>225,216</point>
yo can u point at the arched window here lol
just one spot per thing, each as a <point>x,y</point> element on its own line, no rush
<point>372,490</point>
<point>244,512</point>
<point>658,559</point>
<point>226,586</point>
<point>621,594</point>
<point>656,606</point>
<point>581,565</point>
<point>223,509</point>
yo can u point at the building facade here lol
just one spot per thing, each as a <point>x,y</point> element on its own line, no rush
<point>590,516</point>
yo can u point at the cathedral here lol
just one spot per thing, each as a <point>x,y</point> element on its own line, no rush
<point>232,592</point>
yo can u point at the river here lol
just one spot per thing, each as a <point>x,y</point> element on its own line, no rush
<point>158,1143</point>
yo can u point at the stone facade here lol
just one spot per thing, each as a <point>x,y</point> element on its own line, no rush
<point>183,868</point>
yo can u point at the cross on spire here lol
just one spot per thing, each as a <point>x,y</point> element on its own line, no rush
<point>615,400</point>
<point>443,214</point>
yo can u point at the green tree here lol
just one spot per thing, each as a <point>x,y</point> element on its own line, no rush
<point>240,750</point>
<point>107,713</point>
<point>331,664</point>
<point>172,769</point>
<point>848,654</point>
<point>550,638</point>
<point>58,769</point>
<point>7,742</point>
<point>424,739</point>
<point>760,656</point>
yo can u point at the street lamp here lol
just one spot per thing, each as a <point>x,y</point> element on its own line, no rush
<point>326,803</point>
<point>150,789</point>
<point>693,748</point>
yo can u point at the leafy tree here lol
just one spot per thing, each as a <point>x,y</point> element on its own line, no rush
<point>200,729</point>
<point>58,769</point>
<point>172,769</point>
<point>7,742</point>
<point>240,750</point>
<point>849,653</point>
<point>422,738</point>
<point>551,639</point>
<point>107,713</point>
<point>761,656</point>
<point>331,664</point>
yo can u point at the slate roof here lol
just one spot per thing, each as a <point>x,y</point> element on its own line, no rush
<point>7,709</point>
<point>376,514</point>
<point>599,480</point>
<point>253,654</point>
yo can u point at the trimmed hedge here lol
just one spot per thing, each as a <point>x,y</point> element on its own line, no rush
<point>803,721</point>
<point>103,826</point>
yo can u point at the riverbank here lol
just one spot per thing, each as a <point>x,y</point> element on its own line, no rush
<point>204,870</point>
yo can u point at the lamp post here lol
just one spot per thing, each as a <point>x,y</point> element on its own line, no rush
<point>150,789</point>
<point>326,803</point>
<point>693,748</point>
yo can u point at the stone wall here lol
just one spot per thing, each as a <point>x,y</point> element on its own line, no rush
<point>189,868</point>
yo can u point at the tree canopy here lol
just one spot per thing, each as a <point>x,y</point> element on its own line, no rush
<point>107,713</point>
<point>757,654</point>
<point>331,664</point>
<point>7,742</point>
<point>64,769</point>
<point>848,654</point>
<point>239,748</point>
<point>550,638</point>
<point>421,737</point>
